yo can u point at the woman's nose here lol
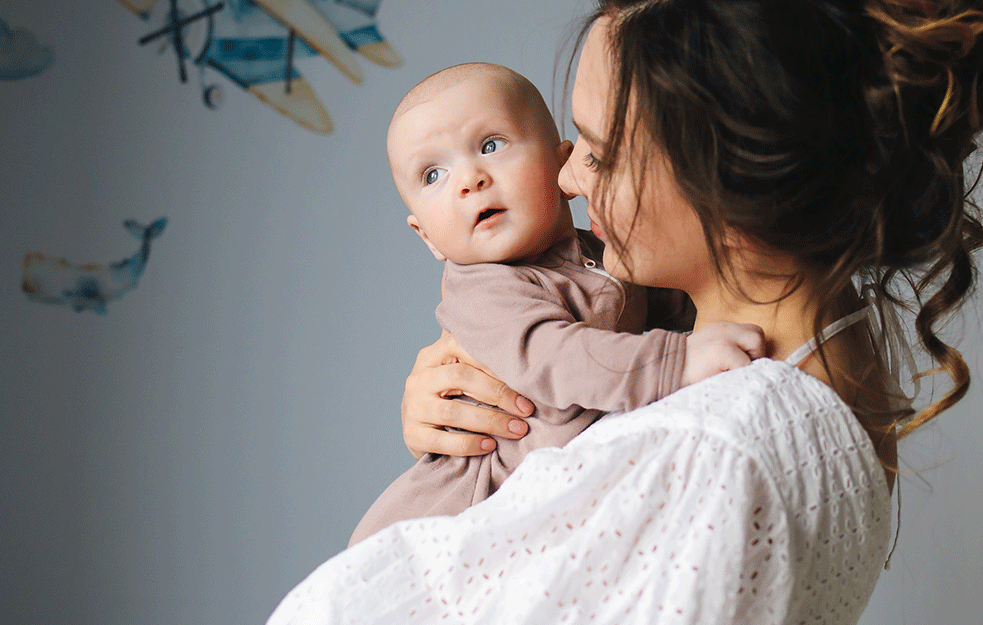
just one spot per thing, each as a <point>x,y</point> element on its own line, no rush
<point>568,184</point>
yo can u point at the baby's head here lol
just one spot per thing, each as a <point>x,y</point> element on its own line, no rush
<point>475,155</point>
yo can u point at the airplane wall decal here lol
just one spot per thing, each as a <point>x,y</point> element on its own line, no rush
<point>254,44</point>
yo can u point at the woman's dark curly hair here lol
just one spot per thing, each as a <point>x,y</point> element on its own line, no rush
<point>832,131</point>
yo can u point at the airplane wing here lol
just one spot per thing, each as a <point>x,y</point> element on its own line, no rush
<point>246,43</point>
<point>259,67</point>
<point>301,17</point>
<point>356,24</point>
<point>251,49</point>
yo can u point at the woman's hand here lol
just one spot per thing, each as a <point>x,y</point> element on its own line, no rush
<point>443,370</point>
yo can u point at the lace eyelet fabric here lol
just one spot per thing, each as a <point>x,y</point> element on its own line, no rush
<point>751,497</point>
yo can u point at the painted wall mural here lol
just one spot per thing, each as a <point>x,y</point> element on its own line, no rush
<point>52,280</point>
<point>21,56</point>
<point>255,45</point>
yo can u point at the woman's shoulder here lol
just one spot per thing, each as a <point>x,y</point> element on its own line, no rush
<point>746,402</point>
<point>786,421</point>
<point>758,399</point>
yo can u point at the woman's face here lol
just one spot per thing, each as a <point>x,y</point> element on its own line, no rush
<point>666,247</point>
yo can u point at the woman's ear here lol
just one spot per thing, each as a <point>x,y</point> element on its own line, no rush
<point>749,252</point>
<point>415,224</point>
<point>734,240</point>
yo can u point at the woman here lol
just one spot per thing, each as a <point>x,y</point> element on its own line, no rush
<point>874,150</point>
<point>760,156</point>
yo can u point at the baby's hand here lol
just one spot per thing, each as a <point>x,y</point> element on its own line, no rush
<point>721,346</point>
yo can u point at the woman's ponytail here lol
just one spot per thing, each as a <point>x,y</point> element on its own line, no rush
<point>931,85</point>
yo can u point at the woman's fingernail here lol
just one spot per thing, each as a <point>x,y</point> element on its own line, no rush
<point>518,426</point>
<point>524,405</point>
<point>488,444</point>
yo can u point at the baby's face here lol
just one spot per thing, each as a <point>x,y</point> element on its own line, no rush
<point>478,175</point>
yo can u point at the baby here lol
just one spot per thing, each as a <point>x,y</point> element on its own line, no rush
<point>475,155</point>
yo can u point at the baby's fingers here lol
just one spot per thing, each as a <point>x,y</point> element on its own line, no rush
<point>733,358</point>
<point>751,339</point>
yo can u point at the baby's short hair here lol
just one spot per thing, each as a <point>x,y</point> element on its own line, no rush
<point>520,87</point>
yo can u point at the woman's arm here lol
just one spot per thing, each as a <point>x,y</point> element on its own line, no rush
<point>441,372</point>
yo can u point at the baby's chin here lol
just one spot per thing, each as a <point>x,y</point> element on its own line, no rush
<point>491,259</point>
<point>498,258</point>
<point>519,256</point>
<point>507,248</point>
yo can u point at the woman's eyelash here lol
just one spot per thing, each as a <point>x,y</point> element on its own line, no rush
<point>591,162</point>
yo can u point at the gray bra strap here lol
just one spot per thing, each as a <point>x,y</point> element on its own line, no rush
<point>829,331</point>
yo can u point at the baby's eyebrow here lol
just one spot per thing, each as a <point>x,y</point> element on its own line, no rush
<point>418,160</point>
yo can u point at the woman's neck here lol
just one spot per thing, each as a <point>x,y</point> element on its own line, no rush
<point>788,324</point>
<point>787,321</point>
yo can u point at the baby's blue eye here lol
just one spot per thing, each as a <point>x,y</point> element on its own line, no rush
<point>492,145</point>
<point>433,175</point>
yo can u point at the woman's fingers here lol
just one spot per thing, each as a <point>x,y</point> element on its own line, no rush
<point>436,388</point>
<point>464,379</point>
<point>442,372</point>
<point>444,350</point>
<point>423,438</point>
<point>431,435</point>
<point>462,375</point>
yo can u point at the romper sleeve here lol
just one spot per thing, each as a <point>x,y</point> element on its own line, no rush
<point>506,319</point>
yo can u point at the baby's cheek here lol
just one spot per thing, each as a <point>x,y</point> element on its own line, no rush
<point>548,190</point>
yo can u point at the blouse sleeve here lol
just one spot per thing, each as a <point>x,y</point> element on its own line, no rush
<point>751,497</point>
<point>682,530</point>
<point>724,539</point>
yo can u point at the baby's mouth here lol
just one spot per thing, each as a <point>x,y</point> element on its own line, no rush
<point>487,214</point>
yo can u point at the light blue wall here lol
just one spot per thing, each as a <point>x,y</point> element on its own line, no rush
<point>193,454</point>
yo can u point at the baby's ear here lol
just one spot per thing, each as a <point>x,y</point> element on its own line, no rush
<point>563,152</point>
<point>415,224</point>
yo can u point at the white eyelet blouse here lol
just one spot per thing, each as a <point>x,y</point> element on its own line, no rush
<point>752,497</point>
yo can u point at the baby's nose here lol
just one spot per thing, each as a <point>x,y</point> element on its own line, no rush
<point>475,180</point>
<point>476,186</point>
